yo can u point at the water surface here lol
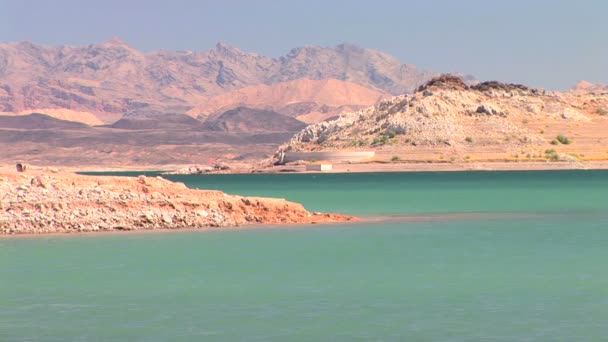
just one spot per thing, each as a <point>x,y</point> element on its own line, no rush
<point>467,256</point>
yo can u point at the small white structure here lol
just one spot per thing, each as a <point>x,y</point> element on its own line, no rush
<point>318,167</point>
<point>352,156</point>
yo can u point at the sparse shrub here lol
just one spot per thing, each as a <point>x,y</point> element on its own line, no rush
<point>554,142</point>
<point>380,140</point>
<point>551,155</point>
<point>563,139</point>
<point>468,139</point>
<point>358,142</point>
<point>383,138</point>
<point>395,159</point>
<point>525,121</point>
<point>602,111</point>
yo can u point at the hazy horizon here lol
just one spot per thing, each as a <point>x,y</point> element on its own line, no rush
<point>549,44</point>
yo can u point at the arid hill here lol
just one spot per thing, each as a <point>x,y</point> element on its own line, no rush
<point>98,83</point>
<point>243,119</point>
<point>448,120</point>
<point>157,122</point>
<point>37,121</point>
<point>306,99</point>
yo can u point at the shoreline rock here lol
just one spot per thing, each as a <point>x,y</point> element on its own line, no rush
<point>41,201</point>
<point>199,170</point>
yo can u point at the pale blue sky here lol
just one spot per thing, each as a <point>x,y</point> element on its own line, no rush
<point>543,43</point>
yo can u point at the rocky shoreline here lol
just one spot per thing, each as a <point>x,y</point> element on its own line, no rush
<point>50,201</point>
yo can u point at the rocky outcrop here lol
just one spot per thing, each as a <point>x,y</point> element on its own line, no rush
<point>49,201</point>
<point>445,81</point>
<point>446,113</point>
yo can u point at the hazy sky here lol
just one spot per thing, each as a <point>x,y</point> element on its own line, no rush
<point>549,44</point>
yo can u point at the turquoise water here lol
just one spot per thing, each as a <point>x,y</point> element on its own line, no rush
<point>421,192</point>
<point>490,256</point>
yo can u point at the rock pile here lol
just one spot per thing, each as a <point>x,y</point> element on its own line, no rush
<point>48,201</point>
<point>445,81</point>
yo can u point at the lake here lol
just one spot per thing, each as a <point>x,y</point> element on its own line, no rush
<point>447,256</point>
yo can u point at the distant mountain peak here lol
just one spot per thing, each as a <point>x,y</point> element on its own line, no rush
<point>27,43</point>
<point>349,47</point>
<point>589,87</point>
<point>115,41</point>
<point>226,48</point>
<point>582,84</point>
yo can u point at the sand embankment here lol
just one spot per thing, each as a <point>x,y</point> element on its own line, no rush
<point>51,201</point>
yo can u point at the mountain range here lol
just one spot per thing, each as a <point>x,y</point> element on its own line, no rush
<point>99,83</point>
<point>111,104</point>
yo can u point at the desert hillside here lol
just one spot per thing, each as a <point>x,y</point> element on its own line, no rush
<point>447,120</point>
<point>306,99</point>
